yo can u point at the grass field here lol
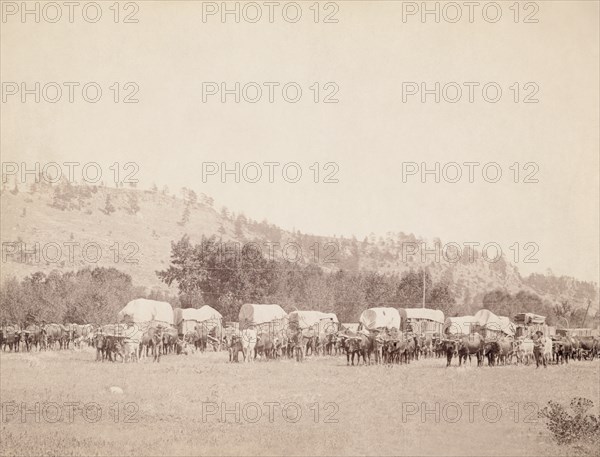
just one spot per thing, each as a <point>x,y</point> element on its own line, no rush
<point>174,408</point>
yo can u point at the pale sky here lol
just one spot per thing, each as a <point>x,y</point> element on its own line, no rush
<point>369,53</point>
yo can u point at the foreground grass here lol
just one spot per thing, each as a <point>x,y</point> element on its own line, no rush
<point>164,408</point>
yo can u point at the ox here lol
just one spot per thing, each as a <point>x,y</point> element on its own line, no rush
<point>152,341</point>
<point>562,349</point>
<point>469,345</point>
<point>107,346</point>
<point>234,348</point>
<point>266,346</point>
<point>450,349</point>
<point>499,351</point>
<point>11,337</point>
<point>34,336</point>
<point>395,351</point>
<point>588,347</point>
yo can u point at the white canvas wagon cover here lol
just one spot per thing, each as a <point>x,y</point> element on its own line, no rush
<point>256,314</point>
<point>374,318</point>
<point>331,317</point>
<point>306,319</point>
<point>183,314</point>
<point>209,317</point>
<point>144,310</point>
<point>187,319</point>
<point>434,315</point>
<point>459,325</point>
<point>488,320</point>
<point>205,313</point>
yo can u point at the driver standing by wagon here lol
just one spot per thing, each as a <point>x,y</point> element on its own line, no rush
<point>539,343</point>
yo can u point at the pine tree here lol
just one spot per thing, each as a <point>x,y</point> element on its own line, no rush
<point>132,203</point>
<point>108,206</point>
<point>185,217</point>
<point>192,197</point>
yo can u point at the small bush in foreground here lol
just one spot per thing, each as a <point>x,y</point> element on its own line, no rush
<point>574,424</point>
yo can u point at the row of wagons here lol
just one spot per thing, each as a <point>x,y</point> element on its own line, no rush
<point>273,319</point>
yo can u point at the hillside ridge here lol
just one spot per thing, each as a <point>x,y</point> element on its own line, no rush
<point>70,226</point>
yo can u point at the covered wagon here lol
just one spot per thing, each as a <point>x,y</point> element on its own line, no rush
<point>492,326</point>
<point>147,312</point>
<point>422,321</point>
<point>314,322</point>
<point>271,319</point>
<point>203,321</point>
<point>138,315</point>
<point>380,318</point>
<point>212,320</point>
<point>187,319</point>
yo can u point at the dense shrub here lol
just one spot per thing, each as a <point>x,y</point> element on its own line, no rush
<point>574,424</point>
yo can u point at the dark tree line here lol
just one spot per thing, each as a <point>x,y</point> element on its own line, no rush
<point>210,273</point>
<point>86,296</point>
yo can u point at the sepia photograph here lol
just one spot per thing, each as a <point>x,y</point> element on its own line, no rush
<point>300,228</point>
